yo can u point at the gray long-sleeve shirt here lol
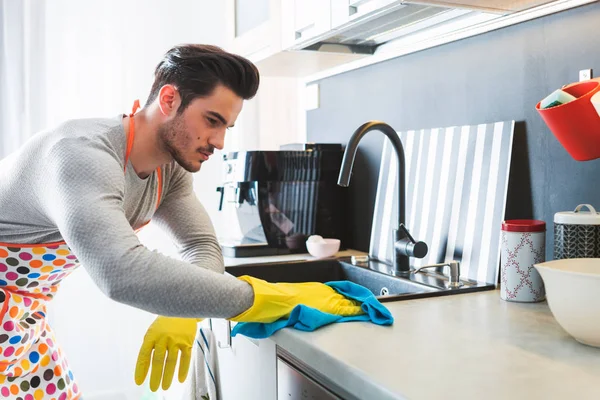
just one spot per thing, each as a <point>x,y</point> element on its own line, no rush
<point>68,184</point>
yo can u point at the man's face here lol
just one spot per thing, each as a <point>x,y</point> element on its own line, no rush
<point>192,136</point>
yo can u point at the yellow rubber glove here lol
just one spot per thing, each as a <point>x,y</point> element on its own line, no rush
<point>273,301</point>
<point>166,337</point>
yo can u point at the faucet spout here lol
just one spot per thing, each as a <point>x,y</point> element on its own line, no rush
<point>404,245</point>
<point>350,154</point>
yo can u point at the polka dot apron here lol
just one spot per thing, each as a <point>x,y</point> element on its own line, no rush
<point>32,365</point>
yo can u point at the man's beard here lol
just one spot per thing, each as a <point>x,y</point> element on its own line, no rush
<point>175,138</point>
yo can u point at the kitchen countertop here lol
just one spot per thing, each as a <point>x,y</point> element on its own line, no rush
<point>473,345</point>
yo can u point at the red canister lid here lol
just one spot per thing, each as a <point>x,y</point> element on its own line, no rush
<point>524,225</point>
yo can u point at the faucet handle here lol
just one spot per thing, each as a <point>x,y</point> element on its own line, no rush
<point>454,272</point>
<point>406,245</point>
<point>411,249</point>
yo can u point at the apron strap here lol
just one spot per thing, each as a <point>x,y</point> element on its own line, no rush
<point>159,191</point>
<point>130,136</point>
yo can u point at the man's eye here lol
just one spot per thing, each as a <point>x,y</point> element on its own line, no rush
<point>212,121</point>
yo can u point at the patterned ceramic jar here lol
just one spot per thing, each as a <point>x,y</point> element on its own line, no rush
<point>577,233</point>
<point>523,245</point>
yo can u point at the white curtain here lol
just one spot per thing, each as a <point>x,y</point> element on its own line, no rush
<point>22,87</point>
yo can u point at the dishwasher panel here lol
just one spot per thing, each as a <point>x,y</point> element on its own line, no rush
<point>292,384</point>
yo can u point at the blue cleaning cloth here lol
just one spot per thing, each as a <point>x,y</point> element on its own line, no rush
<point>308,319</point>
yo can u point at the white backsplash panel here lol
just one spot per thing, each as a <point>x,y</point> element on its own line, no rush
<point>456,186</point>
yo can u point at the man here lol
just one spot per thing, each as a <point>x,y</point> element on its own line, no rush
<point>77,194</point>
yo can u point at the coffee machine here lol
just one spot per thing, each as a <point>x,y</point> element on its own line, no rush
<point>279,198</point>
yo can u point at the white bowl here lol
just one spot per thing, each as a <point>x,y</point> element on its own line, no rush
<point>573,293</point>
<point>326,248</point>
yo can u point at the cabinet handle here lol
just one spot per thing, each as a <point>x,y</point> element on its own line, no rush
<point>353,6</point>
<point>299,32</point>
<point>228,338</point>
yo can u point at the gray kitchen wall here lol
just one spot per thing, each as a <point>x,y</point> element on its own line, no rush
<point>497,76</point>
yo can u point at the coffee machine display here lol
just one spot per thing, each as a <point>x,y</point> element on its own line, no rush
<point>279,198</point>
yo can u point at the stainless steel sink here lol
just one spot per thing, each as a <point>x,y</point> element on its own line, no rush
<point>372,275</point>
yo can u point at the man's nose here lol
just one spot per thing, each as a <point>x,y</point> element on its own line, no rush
<point>218,140</point>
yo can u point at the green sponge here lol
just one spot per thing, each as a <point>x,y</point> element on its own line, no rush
<point>556,98</point>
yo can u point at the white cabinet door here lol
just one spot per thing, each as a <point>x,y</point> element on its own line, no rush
<point>254,27</point>
<point>303,20</point>
<point>250,14</point>
<point>247,368</point>
<point>343,11</point>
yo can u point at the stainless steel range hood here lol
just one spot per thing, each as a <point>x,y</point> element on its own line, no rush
<point>367,32</point>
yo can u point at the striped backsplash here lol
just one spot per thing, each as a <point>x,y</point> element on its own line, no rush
<point>456,185</point>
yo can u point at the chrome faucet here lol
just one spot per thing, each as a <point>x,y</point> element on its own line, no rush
<point>404,244</point>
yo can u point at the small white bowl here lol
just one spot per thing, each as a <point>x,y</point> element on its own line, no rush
<point>327,248</point>
<point>573,294</point>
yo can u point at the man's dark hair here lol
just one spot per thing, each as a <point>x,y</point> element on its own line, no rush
<point>195,70</point>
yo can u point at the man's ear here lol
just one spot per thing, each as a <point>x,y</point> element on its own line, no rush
<point>168,100</point>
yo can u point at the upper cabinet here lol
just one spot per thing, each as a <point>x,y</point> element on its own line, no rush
<point>254,27</point>
<point>266,31</point>
<point>296,38</point>
<point>304,19</point>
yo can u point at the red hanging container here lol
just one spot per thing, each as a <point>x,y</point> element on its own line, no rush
<point>576,124</point>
